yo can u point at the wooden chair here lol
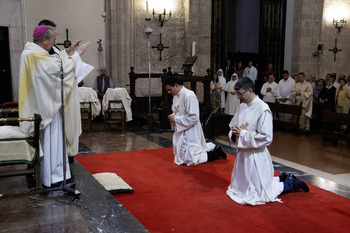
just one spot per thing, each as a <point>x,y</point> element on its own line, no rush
<point>34,165</point>
<point>86,112</point>
<point>115,113</point>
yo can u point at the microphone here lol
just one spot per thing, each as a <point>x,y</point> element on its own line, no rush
<point>61,68</point>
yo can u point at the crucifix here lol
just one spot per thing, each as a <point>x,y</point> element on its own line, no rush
<point>67,42</point>
<point>176,109</point>
<point>160,47</point>
<point>335,50</point>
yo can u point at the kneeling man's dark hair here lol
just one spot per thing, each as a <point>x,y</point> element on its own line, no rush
<point>245,83</point>
<point>171,81</point>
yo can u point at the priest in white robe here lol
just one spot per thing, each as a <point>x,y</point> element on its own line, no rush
<point>189,145</point>
<point>302,94</point>
<point>232,102</point>
<point>40,92</point>
<point>253,180</point>
<point>269,90</point>
<point>285,87</point>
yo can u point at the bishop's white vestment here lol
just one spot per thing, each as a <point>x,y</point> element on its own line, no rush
<point>189,143</point>
<point>40,92</point>
<point>253,180</point>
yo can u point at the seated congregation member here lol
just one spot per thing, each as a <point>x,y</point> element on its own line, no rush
<point>327,95</point>
<point>302,93</point>
<point>40,92</point>
<point>215,91</point>
<point>269,90</point>
<point>102,83</point>
<point>320,84</point>
<point>232,101</point>
<point>189,144</point>
<point>252,180</point>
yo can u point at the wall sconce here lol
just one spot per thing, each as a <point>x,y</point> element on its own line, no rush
<point>162,18</point>
<point>339,24</point>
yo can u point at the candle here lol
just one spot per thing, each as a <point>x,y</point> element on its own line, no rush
<point>193,48</point>
<point>147,9</point>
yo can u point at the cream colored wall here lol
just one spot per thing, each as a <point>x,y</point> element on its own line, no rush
<point>83,20</point>
<point>335,8</point>
<point>312,26</point>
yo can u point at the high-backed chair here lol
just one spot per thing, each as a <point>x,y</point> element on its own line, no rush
<point>115,113</point>
<point>86,112</point>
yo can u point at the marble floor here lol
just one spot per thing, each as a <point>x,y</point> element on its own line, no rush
<point>22,210</point>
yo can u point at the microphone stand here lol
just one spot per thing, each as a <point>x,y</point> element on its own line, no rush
<point>64,188</point>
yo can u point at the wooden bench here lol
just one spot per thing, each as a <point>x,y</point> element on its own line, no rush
<point>294,110</point>
<point>33,165</point>
<point>330,119</point>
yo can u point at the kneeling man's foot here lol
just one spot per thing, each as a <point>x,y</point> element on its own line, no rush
<point>220,152</point>
<point>298,184</point>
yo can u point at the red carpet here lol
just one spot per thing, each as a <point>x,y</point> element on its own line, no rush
<point>172,198</point>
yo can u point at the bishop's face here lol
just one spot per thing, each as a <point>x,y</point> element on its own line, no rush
<point>173,90</point>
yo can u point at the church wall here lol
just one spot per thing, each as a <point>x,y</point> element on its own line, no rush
<point>11,16</point>
<point>127,41</point>
<point>84,20</point>
<point>335,9</point>
<point>310,28</point>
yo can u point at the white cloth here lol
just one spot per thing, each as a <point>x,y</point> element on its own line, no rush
<point>250,72</point>
<point>222,80</point>
<point>40,92</point>
<point>232,102</point>
<point>189,145</point>
<point>51,144</point>
<point>117,94</point>
<point>13,151</point>
<point>87,94</point>
<point>270,96</point>
<point>253,180</point>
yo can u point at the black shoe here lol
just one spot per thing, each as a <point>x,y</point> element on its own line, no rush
<point>283,176</point>
<point>220,152</point>
<point>71,159</point>
<point>298,184</point>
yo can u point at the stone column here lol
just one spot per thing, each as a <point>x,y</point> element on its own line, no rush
<point>120,41</point>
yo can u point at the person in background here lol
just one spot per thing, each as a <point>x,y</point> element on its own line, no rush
<point>285,87</point>
<point>342,101</point>
<point>215,91</point>
<point>251,72</point>
<point>327,95</point>
<point>222,80</point>
<point>302,94</point>
<point>317,89</point>
<point>269,90</point>
<point>102,83</point>
<point>269,71</point>
<point>232,101</point>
